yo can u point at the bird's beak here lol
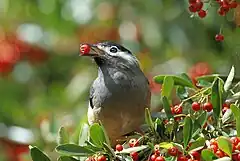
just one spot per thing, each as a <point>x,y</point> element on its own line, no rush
<point>90,50</point>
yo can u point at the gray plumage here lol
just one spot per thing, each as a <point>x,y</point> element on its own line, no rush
<point>120,93</point>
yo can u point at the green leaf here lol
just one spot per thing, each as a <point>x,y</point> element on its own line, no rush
<point>166,107</point>
<point>203,83</point>
<point>199,123</point>
<point>63,136</point>
<point>165,145</point>
<point>225,145</point>
<point>109,149</point>
<point>208,78</point>
<point>208,155</point>
<point>97,135</point>
<point>133,149</point>
<point>229,80</point>
<point>177,80</point>
<point>167,87</point>
<point>228,116</point>
<point>157,122</point>
<point>216,99</point>
<point>107,141</point>
<point>74,150</point>
<point>234,97</point>
<point>148,119</point>
<point>187,131</point>
<point>182,92</point>
<point>38,155</point>
<point>236,113</point>
<point>83,135</point>
<point>199,143</point>
<point>66,158</point>
<point>186,77</point>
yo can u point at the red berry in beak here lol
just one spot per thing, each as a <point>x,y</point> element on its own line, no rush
<point>85,49</point>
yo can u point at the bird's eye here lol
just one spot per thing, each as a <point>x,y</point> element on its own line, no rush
<point>113,49</point>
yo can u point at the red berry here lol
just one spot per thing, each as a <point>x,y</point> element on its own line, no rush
<point>182,158</point>
<point>214,148</point>
<point>207,106</point>
<point>159,158</point>
<point>196,106</point>
<point>219,37</point>
<point>153,157</point>
<point>178,109</point>
<point>85,49</point>
<point>220,154</point>
<point>119,147</point>
<point>199,5</point>
<point>133,142</point>
<point>202,13</point>
<point>235,140</point>
<point>101,158</point>
<point>236,157</point>
<point>90,159</point>
<point>157,152</point>
<point>173,151</point>
<point>224,109</point>
<point>192,8</point>
<point>134,156</point>
<point>196,155</point>
<point>233,4</point>
<point>191,1</point>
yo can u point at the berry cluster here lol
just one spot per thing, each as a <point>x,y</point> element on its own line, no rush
<point>224,6</point>
<point>213,146</point>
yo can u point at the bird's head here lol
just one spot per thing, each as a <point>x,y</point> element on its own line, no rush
<point>109,53</point>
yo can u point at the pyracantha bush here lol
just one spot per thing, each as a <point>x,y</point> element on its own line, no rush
<point>203,126</point>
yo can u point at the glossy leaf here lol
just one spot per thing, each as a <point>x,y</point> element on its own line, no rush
<point>236,113</point>
<point>229,80</point>
<point>165,145</point>
<point>208,155</point>
<point>177,80</point>
<point>148,119</point>
<point>83,135</point>
<point>38,155</point>
<point>216,99</point>
<point>228,116</point>
<point>66,158</point>
<point>182,92</point>
<point>187,130</point>
<point>63,136</point>
<point>208,78</point>
<point>197,144</point>
<point>225,145</point>
<point>186,77</point>
<point>97,135</point>
<point>166,107</point>
<point>167,86</point>
<point>74,150</point>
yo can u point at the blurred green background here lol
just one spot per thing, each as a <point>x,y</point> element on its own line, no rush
<point>44,83</point>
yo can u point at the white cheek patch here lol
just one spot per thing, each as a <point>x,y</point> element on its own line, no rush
<point>129,58</point>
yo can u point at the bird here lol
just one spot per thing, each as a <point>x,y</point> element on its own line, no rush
<point>120,93</point>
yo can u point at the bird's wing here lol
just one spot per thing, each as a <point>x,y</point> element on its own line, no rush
<point>91,95</point>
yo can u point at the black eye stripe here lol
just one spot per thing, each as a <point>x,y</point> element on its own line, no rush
<point>113,49</point>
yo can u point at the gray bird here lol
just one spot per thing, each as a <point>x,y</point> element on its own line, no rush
<point>120,93</point>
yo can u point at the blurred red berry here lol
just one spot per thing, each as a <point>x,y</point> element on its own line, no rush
<point>196,106</point>
<point>160,158</point>
<point>101,158</point>
<point>219,37</point>
<point>134,156</point>
<point>119,147</point>
<point>207,106</point>
<point>153,157</point>
<point>202,13</point>
<point>196,155</point>
<point>182,158</point>
<point>173,151</point>
<point>220,153</point>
